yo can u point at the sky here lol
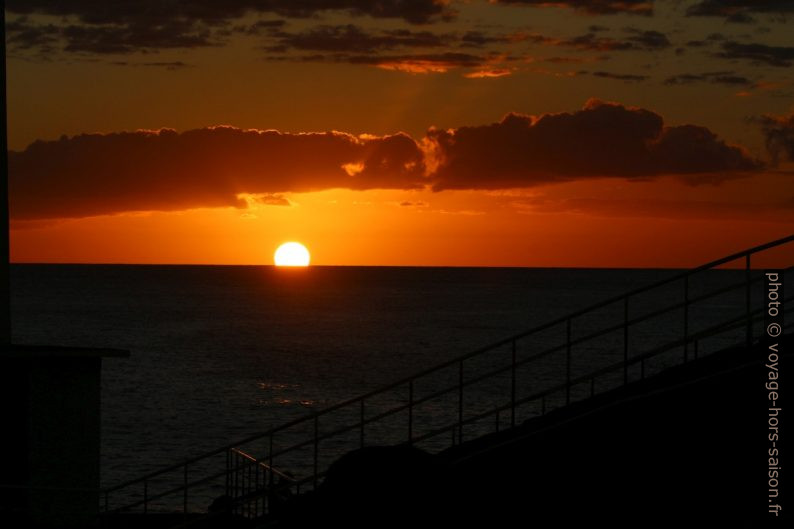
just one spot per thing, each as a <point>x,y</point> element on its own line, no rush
<point>600,133</point>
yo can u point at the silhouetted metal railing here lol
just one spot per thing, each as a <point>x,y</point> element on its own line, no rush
<point>254,488</point>
<point>525,375</point>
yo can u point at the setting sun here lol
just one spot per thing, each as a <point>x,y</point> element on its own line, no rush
<point>291,254</point>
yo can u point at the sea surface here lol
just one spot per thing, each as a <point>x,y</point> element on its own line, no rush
<point>222,352</point>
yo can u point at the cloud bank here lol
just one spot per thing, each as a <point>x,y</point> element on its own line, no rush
<point>96,174</point>
<point>603,139</point>
<point>592,7</point>
<point>99,174</point>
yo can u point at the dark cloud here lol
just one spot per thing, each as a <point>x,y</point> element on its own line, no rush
<point>261,26</point>
<point>478,39</point>
<point>351,38</point>
<point>129,39</point>
<point>619,76</point>
<point>213,12</point>
<point>709,40</point>
<point>592,7</point>
<point>21,34</point>
<point>24,34</point>
<point>725,78</point>
<point>570,60</point>
<point>168,65</point>
<point>740,11</point>
<point>126,26</point>
<point>591,42</point>
<point>97,174</point>
<point>636,41</point>
<point>648,40</point>
<point>780,56</point>
<point>602,140</point>
<point>779,135</point>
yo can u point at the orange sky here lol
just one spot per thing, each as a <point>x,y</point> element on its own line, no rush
<point>658,139</point>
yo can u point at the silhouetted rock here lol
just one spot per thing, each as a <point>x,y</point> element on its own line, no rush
<point>399,486</point>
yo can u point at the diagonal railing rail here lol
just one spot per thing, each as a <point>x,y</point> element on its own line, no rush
<point>600,347</point>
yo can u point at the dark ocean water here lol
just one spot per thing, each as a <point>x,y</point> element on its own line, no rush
<point>218,353</point>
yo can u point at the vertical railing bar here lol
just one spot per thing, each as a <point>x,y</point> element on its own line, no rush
<point>568,361</point>
<point>145,496</point>
<point>460,402</point>
<point>248,490</point>
<point>184,495</point>
<point>236,481</point>
<point>316,449</point>
<point>228,472</point>
<point>696,350</point>
<point>625,340</point>
<point>512,388</point>
<point>267,490</point>
<point>747,275</point>
<point>411,412</point>
<point>257,490</point>
<point>362,423</point>
<point>497,420</point>
<point>592,386</point>
<point>686,319</point>
<point>270,461</point>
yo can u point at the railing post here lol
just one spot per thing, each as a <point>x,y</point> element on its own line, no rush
<point>686,318</point>
<point>228,472</point>
<point>410,412</point>
<point>184,493</point>
<point>236,480</point>
<point>270,460</point>
<point>625,340</point>
<point>362,423</point>
<point>568,361</point>
<point>256,489</point>
<point>316,448</point>
<point>248,489</point>
<point>460,402</point>
<point>749,312</point>
<point>512,389</point>
<point>145,496</point>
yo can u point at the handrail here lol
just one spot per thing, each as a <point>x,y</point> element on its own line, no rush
<point>626,323</point>
<point>262,464</point>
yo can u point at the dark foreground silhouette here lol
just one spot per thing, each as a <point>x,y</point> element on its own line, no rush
<point>686,447</point>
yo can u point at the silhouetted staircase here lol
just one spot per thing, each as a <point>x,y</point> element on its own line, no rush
<point>465,407</point>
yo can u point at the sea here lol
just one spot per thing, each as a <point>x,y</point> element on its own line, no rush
<point>219,353</point>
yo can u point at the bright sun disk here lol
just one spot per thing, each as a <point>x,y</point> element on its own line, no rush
<point>291,254</point>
